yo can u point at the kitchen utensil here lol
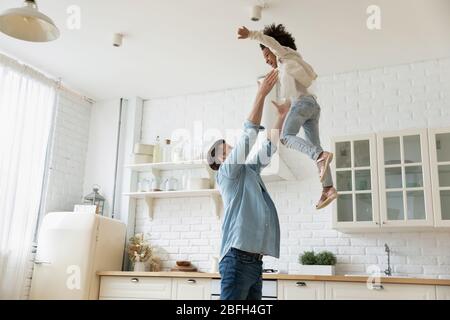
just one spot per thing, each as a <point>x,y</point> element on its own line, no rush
<point>214,265</point>
<point>183,263</point>
<point>184,269</point>
<point>170,184</point>
<point>140,148</point>
<point>144,185</point>
<point>155,184</point>
<point>142,158</point>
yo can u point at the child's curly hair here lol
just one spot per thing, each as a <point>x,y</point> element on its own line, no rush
<point>279,33</point>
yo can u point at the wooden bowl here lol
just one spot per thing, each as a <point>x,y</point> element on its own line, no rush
<point>184,263</point>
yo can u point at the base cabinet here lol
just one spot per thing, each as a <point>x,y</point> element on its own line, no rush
<point>191,289</point>
<point>135,288</point>
<point>360,291</point>
<point>166,288</point>
<point>301,290</point>
<point>442,293</point>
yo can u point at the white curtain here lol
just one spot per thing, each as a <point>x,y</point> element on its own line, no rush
<point>27,102</point>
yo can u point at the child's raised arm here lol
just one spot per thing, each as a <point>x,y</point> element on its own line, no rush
<point>271,43</point>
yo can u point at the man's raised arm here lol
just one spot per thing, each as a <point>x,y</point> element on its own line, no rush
<point>237,158</point>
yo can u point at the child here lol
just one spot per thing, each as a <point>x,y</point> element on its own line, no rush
<point>296,76</point>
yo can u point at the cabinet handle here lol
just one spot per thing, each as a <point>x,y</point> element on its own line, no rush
<point>135,280</point>
<point>377,287</point>
<point>300,284</point>
<point>192,281</point>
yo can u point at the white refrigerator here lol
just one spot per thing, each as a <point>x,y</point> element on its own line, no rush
<point>72,248</point>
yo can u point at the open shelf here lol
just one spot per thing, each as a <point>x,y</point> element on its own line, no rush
<point>213,194</point>
<point>173,194</point>
<point>183,165</point>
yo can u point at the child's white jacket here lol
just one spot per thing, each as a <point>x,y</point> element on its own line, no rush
<point>296,75</point>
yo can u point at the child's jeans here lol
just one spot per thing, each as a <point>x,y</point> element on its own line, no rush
<point>305,112</point>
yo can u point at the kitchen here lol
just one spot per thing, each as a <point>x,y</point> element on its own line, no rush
<point>126,140</point>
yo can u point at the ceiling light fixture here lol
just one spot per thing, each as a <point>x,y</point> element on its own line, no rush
<point>27,23</point>
<point>257,9</point>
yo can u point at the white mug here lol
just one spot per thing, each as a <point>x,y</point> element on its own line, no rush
<point>214,265</point>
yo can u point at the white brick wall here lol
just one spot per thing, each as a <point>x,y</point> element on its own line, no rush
<point>67,158</point>
<point>391,98</point>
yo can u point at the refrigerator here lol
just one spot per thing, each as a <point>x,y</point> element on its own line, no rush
<point>72,248</point>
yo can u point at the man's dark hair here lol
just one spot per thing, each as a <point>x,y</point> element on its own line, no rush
<point>212,161</point>
<point>279,33</point>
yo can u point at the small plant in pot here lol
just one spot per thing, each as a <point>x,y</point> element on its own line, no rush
<point>322,264</point>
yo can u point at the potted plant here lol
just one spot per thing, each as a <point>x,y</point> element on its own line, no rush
<point>322,263</point>
<point>139,252</point>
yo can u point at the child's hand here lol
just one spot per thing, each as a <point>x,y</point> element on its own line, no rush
<point>243,33</point>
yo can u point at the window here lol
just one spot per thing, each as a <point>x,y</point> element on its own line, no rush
<point>27,101</point>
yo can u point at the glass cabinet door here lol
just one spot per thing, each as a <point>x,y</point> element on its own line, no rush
<point>356,183</point>
<point>404,191</point>
<point>440,166</point>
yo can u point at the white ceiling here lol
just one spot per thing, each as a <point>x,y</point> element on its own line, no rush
<point>175,47</point>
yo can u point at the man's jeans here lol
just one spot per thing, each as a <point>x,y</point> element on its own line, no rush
<point>241,276</point>
<point>305,113</point>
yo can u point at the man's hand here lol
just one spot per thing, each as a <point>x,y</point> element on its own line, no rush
<point>282,109</point>
<point>243,33</point>
<point>268,83</point>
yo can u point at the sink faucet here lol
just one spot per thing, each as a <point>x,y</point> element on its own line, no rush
<point>388,271</point>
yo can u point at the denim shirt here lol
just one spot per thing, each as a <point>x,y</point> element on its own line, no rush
<point>250,220</point>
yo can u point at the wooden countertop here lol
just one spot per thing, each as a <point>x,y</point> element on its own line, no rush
<point>294,277</point>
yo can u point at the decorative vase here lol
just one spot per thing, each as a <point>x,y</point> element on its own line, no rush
<point>139,267</point>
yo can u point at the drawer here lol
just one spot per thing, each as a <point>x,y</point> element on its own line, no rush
<point>135,288</point>
<point>301,290</point>
<point>191,289</point>
<point>443,292</point>
<point>360,291</point>
<point>269,288</point>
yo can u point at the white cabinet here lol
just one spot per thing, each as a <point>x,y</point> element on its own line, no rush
<point>440,175</point>
<point>392,181</point>
<point>360,291</point>
<point>269,289</point>
<point>191,289</point>
<point>405,184</point>
<point>134,288</point>
<point>442,293</point>
<point>301,290</point>
<point>356,178</point>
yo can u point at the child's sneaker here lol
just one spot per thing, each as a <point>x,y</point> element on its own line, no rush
<point>327,197</point>
<point>323,163</point>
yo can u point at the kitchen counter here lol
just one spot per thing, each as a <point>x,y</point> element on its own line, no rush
<point>294,277</point>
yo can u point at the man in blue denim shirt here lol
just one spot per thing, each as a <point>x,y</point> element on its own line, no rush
<point>250,228</point>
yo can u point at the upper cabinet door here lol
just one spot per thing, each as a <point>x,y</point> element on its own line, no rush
<point>440,174</point>
<point>355,174</point>
<point>405,186</point>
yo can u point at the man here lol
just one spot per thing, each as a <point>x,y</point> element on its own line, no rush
<point>251,227</point>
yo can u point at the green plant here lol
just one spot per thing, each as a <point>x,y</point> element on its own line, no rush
<point>326,258</point>
<point>308,258</point>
